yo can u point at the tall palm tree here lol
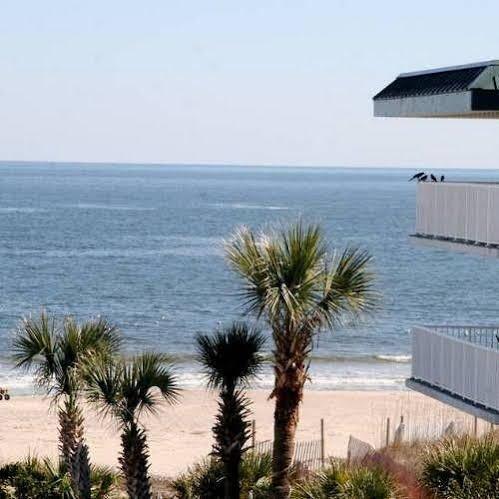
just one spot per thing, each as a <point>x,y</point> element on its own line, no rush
<point>124,390</point>
<point>55,351</point>
<point>292,282</point>
<point>230,358</point>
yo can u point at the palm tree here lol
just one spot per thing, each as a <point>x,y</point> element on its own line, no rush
<point>124,390</point>
<point>292,282</point>
<point>55,351</point>
<point>230,358</point>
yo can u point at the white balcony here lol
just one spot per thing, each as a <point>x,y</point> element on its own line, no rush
<point>458,365</point>
<point>463,213</point>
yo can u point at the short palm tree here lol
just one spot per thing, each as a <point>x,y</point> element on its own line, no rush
<point>124,390</point>
<point>292,282</point>
<point>230,358</point>
<point>55,351</point>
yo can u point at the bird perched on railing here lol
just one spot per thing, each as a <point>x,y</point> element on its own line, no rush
<point>423,177</point>
<point>417,176</point>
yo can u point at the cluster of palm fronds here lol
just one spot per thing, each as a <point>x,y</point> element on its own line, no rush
<point>344,482</point>
<point>73,361</point>
<point>459,468</point>
<point>290,281</point>
<point>337,481</point>
<point>462,468</point>
<point>207,479</point>
<point>33,478</point>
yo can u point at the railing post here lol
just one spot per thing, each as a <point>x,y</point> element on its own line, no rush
<point>323,453</point>
<point>488,215</point>
<point>253,434</point>
<point>387,440</point>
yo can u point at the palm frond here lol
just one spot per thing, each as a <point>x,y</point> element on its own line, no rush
<point>148,378</point>
<point>289,278</point>
<point>124,388</point>
<point>54,351</point>
<point>231,356</point>
<point>348,290</point>
<point>35,347</point>
<point>246,256</point>
<point>102,377</point>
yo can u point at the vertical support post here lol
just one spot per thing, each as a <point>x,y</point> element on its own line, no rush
<point>323,448</point>
<point>387,441</point>
<point>475,426</point>
<point>253,434</point>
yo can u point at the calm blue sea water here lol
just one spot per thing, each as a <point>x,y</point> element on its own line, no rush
<point>141,245</point>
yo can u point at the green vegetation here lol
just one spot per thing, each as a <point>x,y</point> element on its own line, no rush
<point>291,280</point>
<point>33,478</point>
<point>462,468</point>
<point>323,485</point>
<point>125,390</point>
<point>55,353</point>
<point>230,359</point>
<point>368,483</point>
<point>206,480</point>
<point>343,482</point>
<point>337,481</point>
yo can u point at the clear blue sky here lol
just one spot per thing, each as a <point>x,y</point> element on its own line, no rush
<point>246,82</point>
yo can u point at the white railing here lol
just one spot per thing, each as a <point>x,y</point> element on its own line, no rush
<point>461,360</point>
<point>467,212</point>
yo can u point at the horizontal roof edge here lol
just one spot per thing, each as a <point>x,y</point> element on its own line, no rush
<point>451,68</point>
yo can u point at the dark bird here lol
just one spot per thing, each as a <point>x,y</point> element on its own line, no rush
<point>417,176</point>
<point>423,178</point>
<point>433,178</point>
<point>442,178</point>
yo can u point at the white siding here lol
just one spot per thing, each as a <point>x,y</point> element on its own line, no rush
<point>462,211</point>
<point>463,361</point>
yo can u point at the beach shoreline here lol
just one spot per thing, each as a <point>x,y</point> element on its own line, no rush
<point>180,436</point>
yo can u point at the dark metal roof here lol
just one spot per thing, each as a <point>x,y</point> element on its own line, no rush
<point>431,83</point>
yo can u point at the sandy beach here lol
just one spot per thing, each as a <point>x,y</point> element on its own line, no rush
<point>180,435</point>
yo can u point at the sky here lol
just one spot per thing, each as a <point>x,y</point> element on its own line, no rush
<point>235,82</point>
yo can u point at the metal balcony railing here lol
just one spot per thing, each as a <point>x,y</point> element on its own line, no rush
<point>459,211</point>
<point>460,360</point>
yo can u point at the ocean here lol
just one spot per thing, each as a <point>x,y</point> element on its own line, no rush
<point>142,246</point>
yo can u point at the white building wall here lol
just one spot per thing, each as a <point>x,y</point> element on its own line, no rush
<point>464,368</point>
<point>463,211</point>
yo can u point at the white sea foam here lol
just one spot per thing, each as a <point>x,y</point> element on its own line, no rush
<point>403,359</point>
<point>96,206</point>
<point>245,206</point>
<point>20,209</point>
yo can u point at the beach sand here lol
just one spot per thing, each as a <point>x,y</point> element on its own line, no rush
<point>181,435</point>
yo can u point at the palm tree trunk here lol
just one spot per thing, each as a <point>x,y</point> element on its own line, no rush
<point>134,462</point>
<point>73,451</point>
<point>232,486</point>
<point>80,471</point>
<point>70,429</point>
<point>231,434</point>
<point>288,394</point>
